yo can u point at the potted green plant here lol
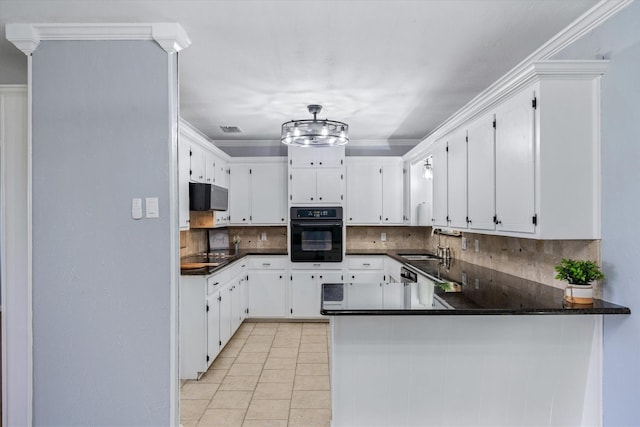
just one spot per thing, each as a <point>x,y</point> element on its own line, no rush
<point>580,274</point>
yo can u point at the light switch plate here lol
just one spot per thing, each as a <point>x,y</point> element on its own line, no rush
<point>464,244</point>
<point>383,237</point>
<point>477,245</point>
<point>136,208</point>
<point>152,207</point>
<point>263,236</point>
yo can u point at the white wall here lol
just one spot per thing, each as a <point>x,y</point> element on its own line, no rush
<point>103,123</point>
<point>619,41</point>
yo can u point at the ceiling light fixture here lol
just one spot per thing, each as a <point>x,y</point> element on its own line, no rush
<point>314,132</point>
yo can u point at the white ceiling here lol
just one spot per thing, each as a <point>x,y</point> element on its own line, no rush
<point>392,69</point>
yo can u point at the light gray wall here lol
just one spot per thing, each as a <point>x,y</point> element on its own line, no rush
<point>619,41</point>
<point>101,280</point>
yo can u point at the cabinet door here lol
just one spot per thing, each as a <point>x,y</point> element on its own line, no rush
<point>392,194</point>
<point>329,186</point>
<point>184,165</point>
<point>236,316</point>
<point>210,160</point>
<point>393,295</point>
<point>439,182</point>
<point>329,157</point>
<point>481,179</point>
<point>267,294</point>
<point>268,194</point>
<point>197,166</point>
<point>457,179</point>
<point>221,177</point>
<point>515,174</point>
<point>305,294</point>
<point>303,185</point>
<point>240,194</point>
<point>364,193</point>
<point>363,276</point>
<point>225,314</point>
<point>213,327</point>
<point>302,157</point>
<point>364,295</point>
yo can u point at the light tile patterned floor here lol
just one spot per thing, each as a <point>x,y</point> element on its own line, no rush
<point>269,374</point>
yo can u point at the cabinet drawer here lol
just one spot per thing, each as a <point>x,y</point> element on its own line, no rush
<point>236,268</point>
<point>268,263</point>
<point>365,263</point>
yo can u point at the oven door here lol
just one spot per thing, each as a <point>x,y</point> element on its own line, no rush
<point>316,241</point>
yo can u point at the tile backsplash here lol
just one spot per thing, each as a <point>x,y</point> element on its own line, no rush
<point>526,258</point>
<point>396,237</point>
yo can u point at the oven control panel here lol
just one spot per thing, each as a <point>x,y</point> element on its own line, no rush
<point>316,213</point>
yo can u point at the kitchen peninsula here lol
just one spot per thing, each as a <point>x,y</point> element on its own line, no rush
<point>501,351</point>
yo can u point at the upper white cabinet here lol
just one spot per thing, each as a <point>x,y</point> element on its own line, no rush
<point>375,192</point>
<point>316,157</point>
<point>316,176</point>
<point>258,190</point>
<point>481,173</point>
<point>532,161</point>
<point>514,167</point>
<point>439,204</point>
<point>198,161</point>
<point>457,178</point>
<point>364,192</point>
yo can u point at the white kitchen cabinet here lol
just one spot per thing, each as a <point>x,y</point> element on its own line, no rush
<point>317,157</point>
<point>439,204</point>
<point>258,191</point>
<point>546,152</point>
<point>515,167</point>
<point>364,192</point>
<point>269,194</point>
<point>365,269</point>
<point>221,174</point>
<point>314,186</point>
<point>360,295</point>
<point>393,193</point>
<point>226,304</point>
<point>209,166</point>
<point>184,168</point>
<point>213,326</point>
<point>457,179</point>
<point>211,310</point>
<point>305,288</point>
<point>481,173</point>
<point>197,163</point>
<point>375,191</point>
<point>392,269</point>
<point>316,176</point>
<point>267,287</point>
<point>239,194</point>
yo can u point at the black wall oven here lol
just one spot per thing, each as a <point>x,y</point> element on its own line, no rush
<point>316,234</point>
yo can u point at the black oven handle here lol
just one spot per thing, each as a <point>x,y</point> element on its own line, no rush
<point>317,223</point>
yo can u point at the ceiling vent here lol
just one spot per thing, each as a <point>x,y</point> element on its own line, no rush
<point>230,129</point>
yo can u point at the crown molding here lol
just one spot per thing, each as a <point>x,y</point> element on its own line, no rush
<point>27,36</point>
<point>535,65</point>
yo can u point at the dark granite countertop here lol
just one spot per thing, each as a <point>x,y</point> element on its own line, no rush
<point>222,259</point>
<point>480,291</point>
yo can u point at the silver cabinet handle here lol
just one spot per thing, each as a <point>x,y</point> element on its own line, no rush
<point>266,264</point>
<point>366,264</point>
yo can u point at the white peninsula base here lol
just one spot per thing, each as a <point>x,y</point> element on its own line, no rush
<point>532,370</point>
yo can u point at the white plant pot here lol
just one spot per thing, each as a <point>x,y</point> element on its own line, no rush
<point>578,294</point>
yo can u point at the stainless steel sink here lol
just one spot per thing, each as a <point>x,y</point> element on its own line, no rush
<point>417,257</point>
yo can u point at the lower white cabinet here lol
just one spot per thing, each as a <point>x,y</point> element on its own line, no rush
<point>366,269</point>
<point>211,310</point>
<point>213,327</point>
<point>267,286</point>
<point>305,288</point>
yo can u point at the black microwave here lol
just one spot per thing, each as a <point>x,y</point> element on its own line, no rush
<point>207,197</point>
